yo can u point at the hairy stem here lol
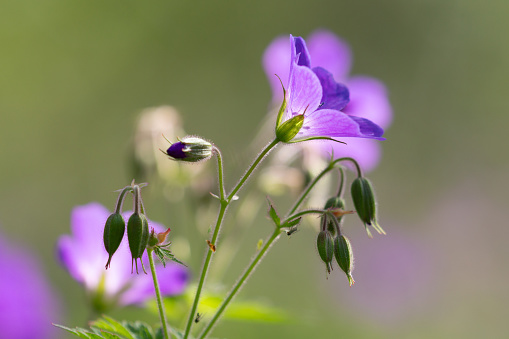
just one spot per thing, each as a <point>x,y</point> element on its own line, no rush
<point>160,304</point>
<point>222,211</point>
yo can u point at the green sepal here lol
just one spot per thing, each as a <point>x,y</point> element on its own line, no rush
<point>137,234</point>
<point>283,106</point>
<point>289,129</point>
<point>344,256</point>
<point>314,138</point>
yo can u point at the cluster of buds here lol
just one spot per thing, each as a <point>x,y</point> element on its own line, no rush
<point>330,241</point>
<point>138,234</point>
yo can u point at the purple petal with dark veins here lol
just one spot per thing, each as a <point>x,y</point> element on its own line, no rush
<point>301,51</point>
<point>304,91</point>
<point>332,123</point>
<point>335,95</point>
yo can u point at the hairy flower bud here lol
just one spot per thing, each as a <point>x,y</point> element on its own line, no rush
<point>344,256</point>
<point>363,197</point>
<point>289,129</point>
<point>137,234</point>
<point>325,247</point>
<point>114,230</point>
<point>190,149</point>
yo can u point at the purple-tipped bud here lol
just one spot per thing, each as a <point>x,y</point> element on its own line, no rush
<point>325,247</point>
<point>137,234</point>
<point>344,256</point>
<point>113,233</point>
<point>190,149</point>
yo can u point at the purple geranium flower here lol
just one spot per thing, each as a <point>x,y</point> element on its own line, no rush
<point>368,96</point>
<point>27,303</point>
<point>84,256</point>
<point>317,99</point>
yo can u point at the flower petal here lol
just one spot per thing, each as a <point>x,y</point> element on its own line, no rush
<point>300,52</point>
<point>369,99</point>
<point>335,95</point>
<point>332,123</point>
<point>173,280</point>
<point>304,88</point>
<point>276,60</point>
<point>331,53</point>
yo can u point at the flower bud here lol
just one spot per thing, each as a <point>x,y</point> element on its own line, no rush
<point>137,234</point>
<point>190,149</point>
<point>363,197</point>
<point>114,230</point>
<point>344,256</point>
<point>289,129</point>
<point>332,203</point>
<point>325,247</point>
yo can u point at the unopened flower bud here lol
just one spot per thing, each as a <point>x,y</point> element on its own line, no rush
<point>114,230</point>
<point>363,197</point>
<point>190,149</point>
<point>137,234</point>
<point>325,247</point>
<point>344,256</point>
<point>289,129</point>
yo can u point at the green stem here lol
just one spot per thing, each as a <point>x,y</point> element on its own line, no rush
<point>220,217</point>
<point>240,282</point>
<point>260,157</point>
<point>160,304</point>
<point>312,184</point>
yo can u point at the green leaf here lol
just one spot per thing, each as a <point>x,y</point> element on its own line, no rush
<point>168,255</point>
<point>273,214</point>
<point>139,330</point>
<point>80,332</point>
<point>111,325</point>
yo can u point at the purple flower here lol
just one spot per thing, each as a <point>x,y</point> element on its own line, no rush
<point>27,303</point>
<point>83,255</point>
<point>367,96</point>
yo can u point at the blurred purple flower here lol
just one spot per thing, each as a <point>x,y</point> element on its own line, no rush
<point>84,256</point>
<point>314,94</point>
<point>27,303</point>
<point>368,96</point>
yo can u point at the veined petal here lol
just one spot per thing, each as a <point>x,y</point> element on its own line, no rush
<point>304,91</point>
<point>331,53</point>
<point>332,123</point>
<point>276,60</point>
<point>300,52</point>
<point>335,95</point>
<point>369,99</point>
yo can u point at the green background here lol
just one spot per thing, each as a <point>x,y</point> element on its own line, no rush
<point>75,75</point>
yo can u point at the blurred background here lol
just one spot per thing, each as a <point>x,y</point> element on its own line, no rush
<point>75,75</point>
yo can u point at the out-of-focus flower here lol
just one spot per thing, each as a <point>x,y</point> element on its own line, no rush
<point>368,96</point>
<point>314,103</point>
<point>27,303</point>
<point>82,253</point>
